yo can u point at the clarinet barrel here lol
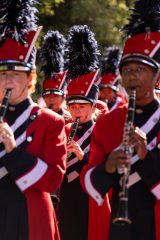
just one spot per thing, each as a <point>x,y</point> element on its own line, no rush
<point>4,105</point>
<point>73,132</point>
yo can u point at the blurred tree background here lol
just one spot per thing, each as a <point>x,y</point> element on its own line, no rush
<point>105,18</point>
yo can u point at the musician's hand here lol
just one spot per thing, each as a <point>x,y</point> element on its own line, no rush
<point>74,147</point>
<point>7,137</point>
<point>116,159</point>
<point>139,141</point>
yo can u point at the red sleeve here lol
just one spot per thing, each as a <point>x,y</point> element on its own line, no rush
<point>106,137</point>
<point>42,163</point>
<point>54,154</point>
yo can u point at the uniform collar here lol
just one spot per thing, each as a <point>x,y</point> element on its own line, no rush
<point>16,110</point>
<point>151,107</point>
<point>86,125</point>
<point>83,127</point>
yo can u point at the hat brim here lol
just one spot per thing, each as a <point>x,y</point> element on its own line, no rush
<point>109,86</point>
<point>52,91</point>
<point>79,99</point>
<point>138,58</point>
<point>11,65</point>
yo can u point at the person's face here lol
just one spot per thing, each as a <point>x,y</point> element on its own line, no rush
<point>84,111</point>
<point>18,82</point>
<point>54,101</point>
<point>141,77</point>
<point>107,94</point>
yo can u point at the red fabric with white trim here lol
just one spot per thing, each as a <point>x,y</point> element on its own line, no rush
<point>82,84</point>
<point>12,50</point>
<point>33,175</point>
<point>56,83</point>
<point>99,216</point>
<point>41,216</point>
<point>108,79</point>
<point>142,44</point>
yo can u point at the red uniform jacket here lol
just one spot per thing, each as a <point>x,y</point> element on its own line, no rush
<point>101,145</point>
<point>38,169</point>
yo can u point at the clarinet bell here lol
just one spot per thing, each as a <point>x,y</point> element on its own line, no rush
<point>122,218</point>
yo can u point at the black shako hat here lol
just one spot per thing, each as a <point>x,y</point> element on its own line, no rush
<point>52,56</point>
<point>143,34</point>
<point>110,67</point>
<point>82,65</point>
<point>18,33</point>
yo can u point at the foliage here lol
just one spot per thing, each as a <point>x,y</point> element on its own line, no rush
<point>46,6</point>
<point>105,17</point>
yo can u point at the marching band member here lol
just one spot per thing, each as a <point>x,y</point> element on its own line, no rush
<point>32,147</point>
<point>140,68</point>
<point>54,84</point>
<point>109,87</point>
<point>75,208</point>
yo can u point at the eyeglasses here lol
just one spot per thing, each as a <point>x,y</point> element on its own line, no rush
<point>127,71</point>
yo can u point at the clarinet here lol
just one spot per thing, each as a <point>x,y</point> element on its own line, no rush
<point>122,213</point>
<point>4,105</point>
<point>55,195</point>
<point>73,132</point>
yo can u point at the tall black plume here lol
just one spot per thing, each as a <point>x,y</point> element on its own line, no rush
<point>82,51</point>
<point>52,54</point>
<point>145,17</point>
<point>110,60</point>
<point>16,18</point>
